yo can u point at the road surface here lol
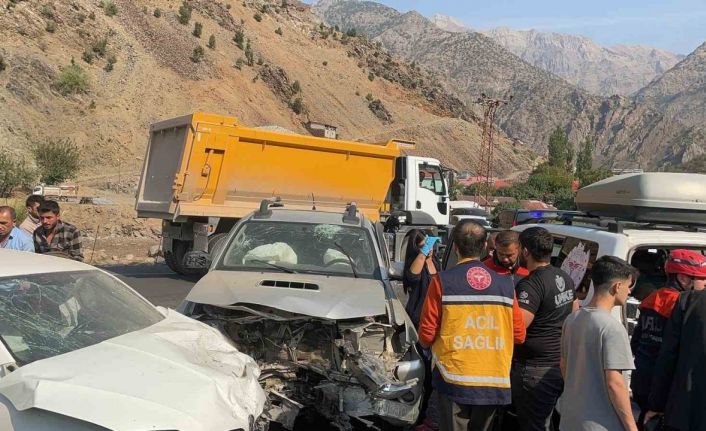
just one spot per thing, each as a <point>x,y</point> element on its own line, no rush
<point>156,282</point>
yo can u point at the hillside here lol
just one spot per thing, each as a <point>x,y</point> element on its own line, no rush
<point>664,124</point>
<point>599,70</point>
<point>471,63</point>
<point>340,80</point>
<point>660,125</point>
<point>605,71</point>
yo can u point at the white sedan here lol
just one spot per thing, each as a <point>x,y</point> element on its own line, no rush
<point>82,351</point>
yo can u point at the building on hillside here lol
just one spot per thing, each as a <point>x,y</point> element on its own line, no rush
<point>322,130</point>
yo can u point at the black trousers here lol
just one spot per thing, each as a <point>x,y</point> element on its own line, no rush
<point>535,392</point>
<point>463,417</point>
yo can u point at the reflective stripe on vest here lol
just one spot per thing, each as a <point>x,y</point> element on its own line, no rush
<point>474,346</point>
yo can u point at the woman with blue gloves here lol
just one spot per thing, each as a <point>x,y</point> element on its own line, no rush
<point>421,264</point>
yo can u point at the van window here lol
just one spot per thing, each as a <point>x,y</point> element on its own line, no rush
<point>576,257</point>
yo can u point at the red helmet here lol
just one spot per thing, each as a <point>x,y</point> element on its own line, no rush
<point>687,262</point>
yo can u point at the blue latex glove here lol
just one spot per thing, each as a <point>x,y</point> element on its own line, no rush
<point>429,244</point>
<point>426,353</point>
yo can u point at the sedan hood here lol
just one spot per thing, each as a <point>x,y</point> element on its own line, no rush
<point>178,374</point>
<point>326,297</point>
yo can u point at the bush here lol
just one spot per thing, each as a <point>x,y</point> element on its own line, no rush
<point>249,54</point>
<point>212,42</point>
<point>371,76</point>
<point>100,46</point>
<point>92,16</point>
<point>351,33</point>
<point>297,105</point>
<point>50,27</point>
<point>111,62</point>
<point>184,13</point>
<point>157,13</point>
<point>239,38</point>
<point>296,87</point>
<point>110,8</point>
<point>279,31</point>
<point>57,160</point>
<point>197,55</point>
<point>47,11</point>
<point>260,61</point>
<point>198,27</point>
<point>81,18</point>
<point>14,173</point>
<point>325,63</point>
<point>87,56</point>
<point>239,63</point>
<point>3,65</point>
<point>369,97</point>
<point>72,80</point>
<point>257,17</point>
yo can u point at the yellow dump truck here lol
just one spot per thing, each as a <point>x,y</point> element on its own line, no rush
<point>203,172</point>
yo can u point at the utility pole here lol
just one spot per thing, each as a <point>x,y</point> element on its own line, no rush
<point>485,161</point>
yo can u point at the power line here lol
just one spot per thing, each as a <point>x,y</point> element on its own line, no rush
<point>485,161</point>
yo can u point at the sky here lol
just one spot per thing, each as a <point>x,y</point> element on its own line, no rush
<point>675,25</point>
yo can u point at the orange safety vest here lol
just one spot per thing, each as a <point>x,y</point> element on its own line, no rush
<point>473,348</point>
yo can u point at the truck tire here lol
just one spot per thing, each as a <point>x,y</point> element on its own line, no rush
<point>175,258</point>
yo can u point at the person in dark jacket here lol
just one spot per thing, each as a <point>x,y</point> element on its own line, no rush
<point>679,384</point>
<point>418,269</point>
<point>686,270</point>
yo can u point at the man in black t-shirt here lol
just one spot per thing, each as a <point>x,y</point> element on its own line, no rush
<point>546,297</point>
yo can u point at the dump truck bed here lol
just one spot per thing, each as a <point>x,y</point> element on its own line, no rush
<point>208,165</point>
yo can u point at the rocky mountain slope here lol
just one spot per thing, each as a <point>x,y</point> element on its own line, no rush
<point>664,124</point>
<point>661,125</point>
<point>141,65</point>
<point>600,70</point>
<point>621,69</point>
<point>472,64</point>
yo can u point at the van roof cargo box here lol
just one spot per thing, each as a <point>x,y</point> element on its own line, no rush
<point>655,197</point>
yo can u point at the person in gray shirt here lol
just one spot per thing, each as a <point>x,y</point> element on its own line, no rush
<point>595,351</point>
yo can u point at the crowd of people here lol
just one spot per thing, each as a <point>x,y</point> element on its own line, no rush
<point>42,231</point>
<point>508,331</point>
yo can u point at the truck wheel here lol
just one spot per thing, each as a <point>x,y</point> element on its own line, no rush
<point>175,258</point>
<point>214,241</point>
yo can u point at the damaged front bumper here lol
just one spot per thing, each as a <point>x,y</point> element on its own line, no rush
<point>364,370</point>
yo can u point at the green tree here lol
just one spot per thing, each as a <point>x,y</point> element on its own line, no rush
<point>249,54</point>
<point>184,13</point>
<point>197,55</point>
<point>239,38</point>
<point>212,42</point>
<point>110,8</point>
<point>584,160</point>
<point>157,13</point>
<point>559,149</point>
<point>14,173</point>
<point>198,28</point>
<point>57,160</point>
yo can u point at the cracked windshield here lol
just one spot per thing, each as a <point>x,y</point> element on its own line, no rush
<point>45,315</point>
<point>301,247</point>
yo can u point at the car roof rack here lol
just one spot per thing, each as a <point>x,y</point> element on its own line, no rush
<point>615,225</point>
<point>350,215</point>
<point>264,211</point>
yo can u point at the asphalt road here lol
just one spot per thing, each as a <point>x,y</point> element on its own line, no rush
<point>156,282</point>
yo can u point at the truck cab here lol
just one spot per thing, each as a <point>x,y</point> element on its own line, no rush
<point>420,188</point>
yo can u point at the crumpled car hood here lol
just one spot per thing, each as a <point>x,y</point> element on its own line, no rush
<point>178,374</point>
<point>337,297</point>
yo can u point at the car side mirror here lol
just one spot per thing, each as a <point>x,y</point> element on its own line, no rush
<point>396,271</point>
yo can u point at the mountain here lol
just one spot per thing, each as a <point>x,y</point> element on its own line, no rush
<point>660,125</point>
<point>599,70</point>
<point>287,71</point>
<point>449,23</point>
<point>663,124</point>
<point>473,64</point>
<point>605,71</point>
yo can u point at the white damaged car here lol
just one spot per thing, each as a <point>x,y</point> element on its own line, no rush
<point>82,351</point>
<point>307,294</point>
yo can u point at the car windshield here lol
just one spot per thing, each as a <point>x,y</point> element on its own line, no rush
<point>301,247</point>
<point>45,315</point>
